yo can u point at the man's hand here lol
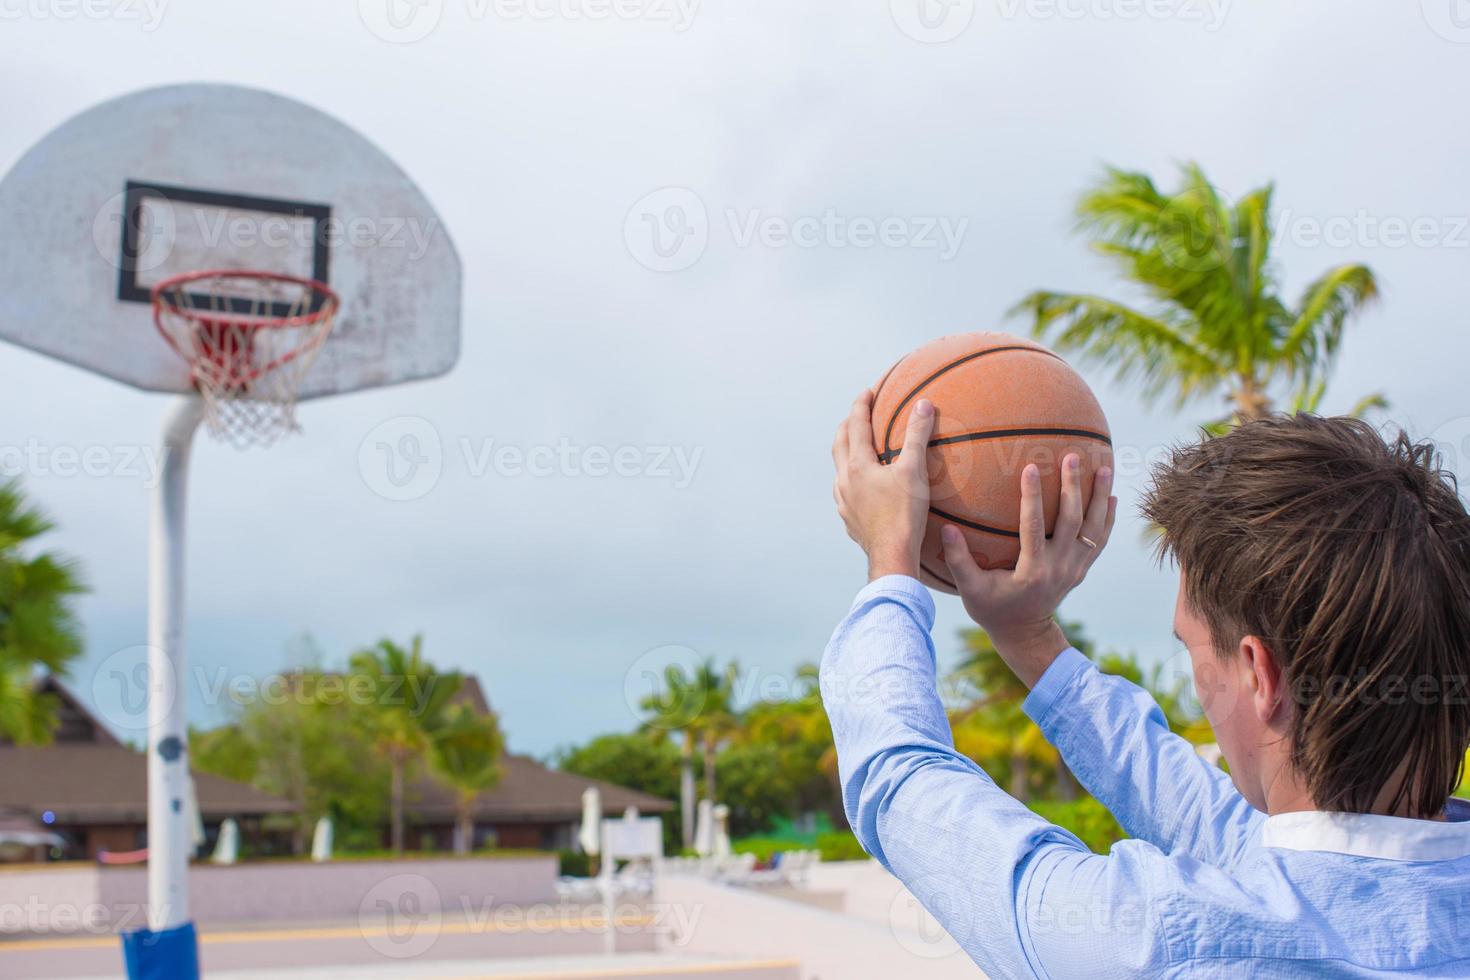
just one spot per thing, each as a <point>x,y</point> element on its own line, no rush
<point>1016,607</point>
<point>884,507</point>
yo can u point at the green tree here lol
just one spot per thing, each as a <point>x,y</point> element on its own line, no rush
<point>1215,323</point>
<point>38,628</point>
<point>1171,693</point>
<point>991,727</point>
<point>312,746</point>
<point>674,711</point>
<point>466,757</point>
<point>760,783</point>
<point>408,698</point>
<point>633,760</point>
<point>805,760</point>
<point>718,717</point>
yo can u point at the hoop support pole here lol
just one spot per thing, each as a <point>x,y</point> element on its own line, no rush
<point>169,829</point>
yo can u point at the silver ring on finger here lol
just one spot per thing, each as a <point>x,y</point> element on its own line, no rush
<point>1088,541</point>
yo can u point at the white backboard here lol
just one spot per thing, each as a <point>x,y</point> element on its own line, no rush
<point>193,177</point>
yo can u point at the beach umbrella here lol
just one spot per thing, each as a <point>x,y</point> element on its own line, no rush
<point>321,840</point>
<point>589,835</point>
<point>722,830</point>
<point>704,829</point>
<point>227,847</point>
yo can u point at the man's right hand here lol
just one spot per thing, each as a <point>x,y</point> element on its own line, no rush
<point>1015,607</point>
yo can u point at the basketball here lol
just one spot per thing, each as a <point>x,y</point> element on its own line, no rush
<point>1000,403</point>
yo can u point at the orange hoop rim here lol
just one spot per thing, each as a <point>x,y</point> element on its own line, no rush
<point>163,301</point>
<point>166,306</point>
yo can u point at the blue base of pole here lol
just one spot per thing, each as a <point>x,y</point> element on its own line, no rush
<point>169,954</point>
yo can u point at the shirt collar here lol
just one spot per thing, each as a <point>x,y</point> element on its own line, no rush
<point>1373,836</point>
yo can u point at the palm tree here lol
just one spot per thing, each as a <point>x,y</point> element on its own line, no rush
<point>992,721</point>
<point>994,709</point>
<point>697,707</point>
<point>38,628</point>
<point>718,718</point>
<point>1215,323</point>
<point>800,727</point>
<point>675,710</point>
<point>466,756</point>
<point>408,698</point>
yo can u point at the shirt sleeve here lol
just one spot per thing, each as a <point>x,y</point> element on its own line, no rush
<point>1021,896</point>
<point>1114,737</point>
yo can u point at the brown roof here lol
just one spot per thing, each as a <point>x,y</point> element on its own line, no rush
<point>87,783</point>
<point>529,792</point>
<point>75,722</point>
<point>471,693</point>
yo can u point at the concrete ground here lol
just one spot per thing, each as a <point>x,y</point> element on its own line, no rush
<point>622,966</point>
<point>341,949</point>
<point>849,921</point>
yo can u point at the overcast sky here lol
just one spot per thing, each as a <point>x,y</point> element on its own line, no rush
<point>541,128</point>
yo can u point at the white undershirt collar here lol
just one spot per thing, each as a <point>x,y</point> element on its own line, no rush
<point>1371,835</point>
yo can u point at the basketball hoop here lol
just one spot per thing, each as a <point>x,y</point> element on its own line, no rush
<point>249,338</point>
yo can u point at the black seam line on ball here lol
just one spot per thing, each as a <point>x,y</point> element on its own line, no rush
<point>936,576</point>
<point>972,525</point>
<point>890,455</point>
<point>888,435</point>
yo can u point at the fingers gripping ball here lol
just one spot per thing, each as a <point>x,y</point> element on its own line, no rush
<point>1001,402</point>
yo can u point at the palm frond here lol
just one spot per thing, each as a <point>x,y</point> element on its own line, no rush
<point>1316,329</point>
<point>1375,402</point>
<point>1113,335</point>
<point>1123,208</point>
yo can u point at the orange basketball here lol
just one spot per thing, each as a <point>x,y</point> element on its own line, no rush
<point>1000,403</point>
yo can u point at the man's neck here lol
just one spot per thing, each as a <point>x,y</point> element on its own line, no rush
<point>1285,793</point>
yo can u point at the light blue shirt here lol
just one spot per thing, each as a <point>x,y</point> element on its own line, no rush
<point>1207,887</point>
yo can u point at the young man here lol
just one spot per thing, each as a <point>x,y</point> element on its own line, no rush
<point>1325,603</point>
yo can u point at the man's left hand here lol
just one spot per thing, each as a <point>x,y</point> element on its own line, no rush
<point>885,508</point>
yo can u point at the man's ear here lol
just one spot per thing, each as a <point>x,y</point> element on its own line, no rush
<point>1262,678</point>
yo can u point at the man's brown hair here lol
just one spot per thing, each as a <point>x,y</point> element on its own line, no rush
<point>1348,556</point>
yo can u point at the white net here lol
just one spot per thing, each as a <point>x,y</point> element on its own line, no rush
<point>249,339</point>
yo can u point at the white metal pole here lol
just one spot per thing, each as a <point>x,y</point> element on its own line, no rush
<point>169,834</point>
